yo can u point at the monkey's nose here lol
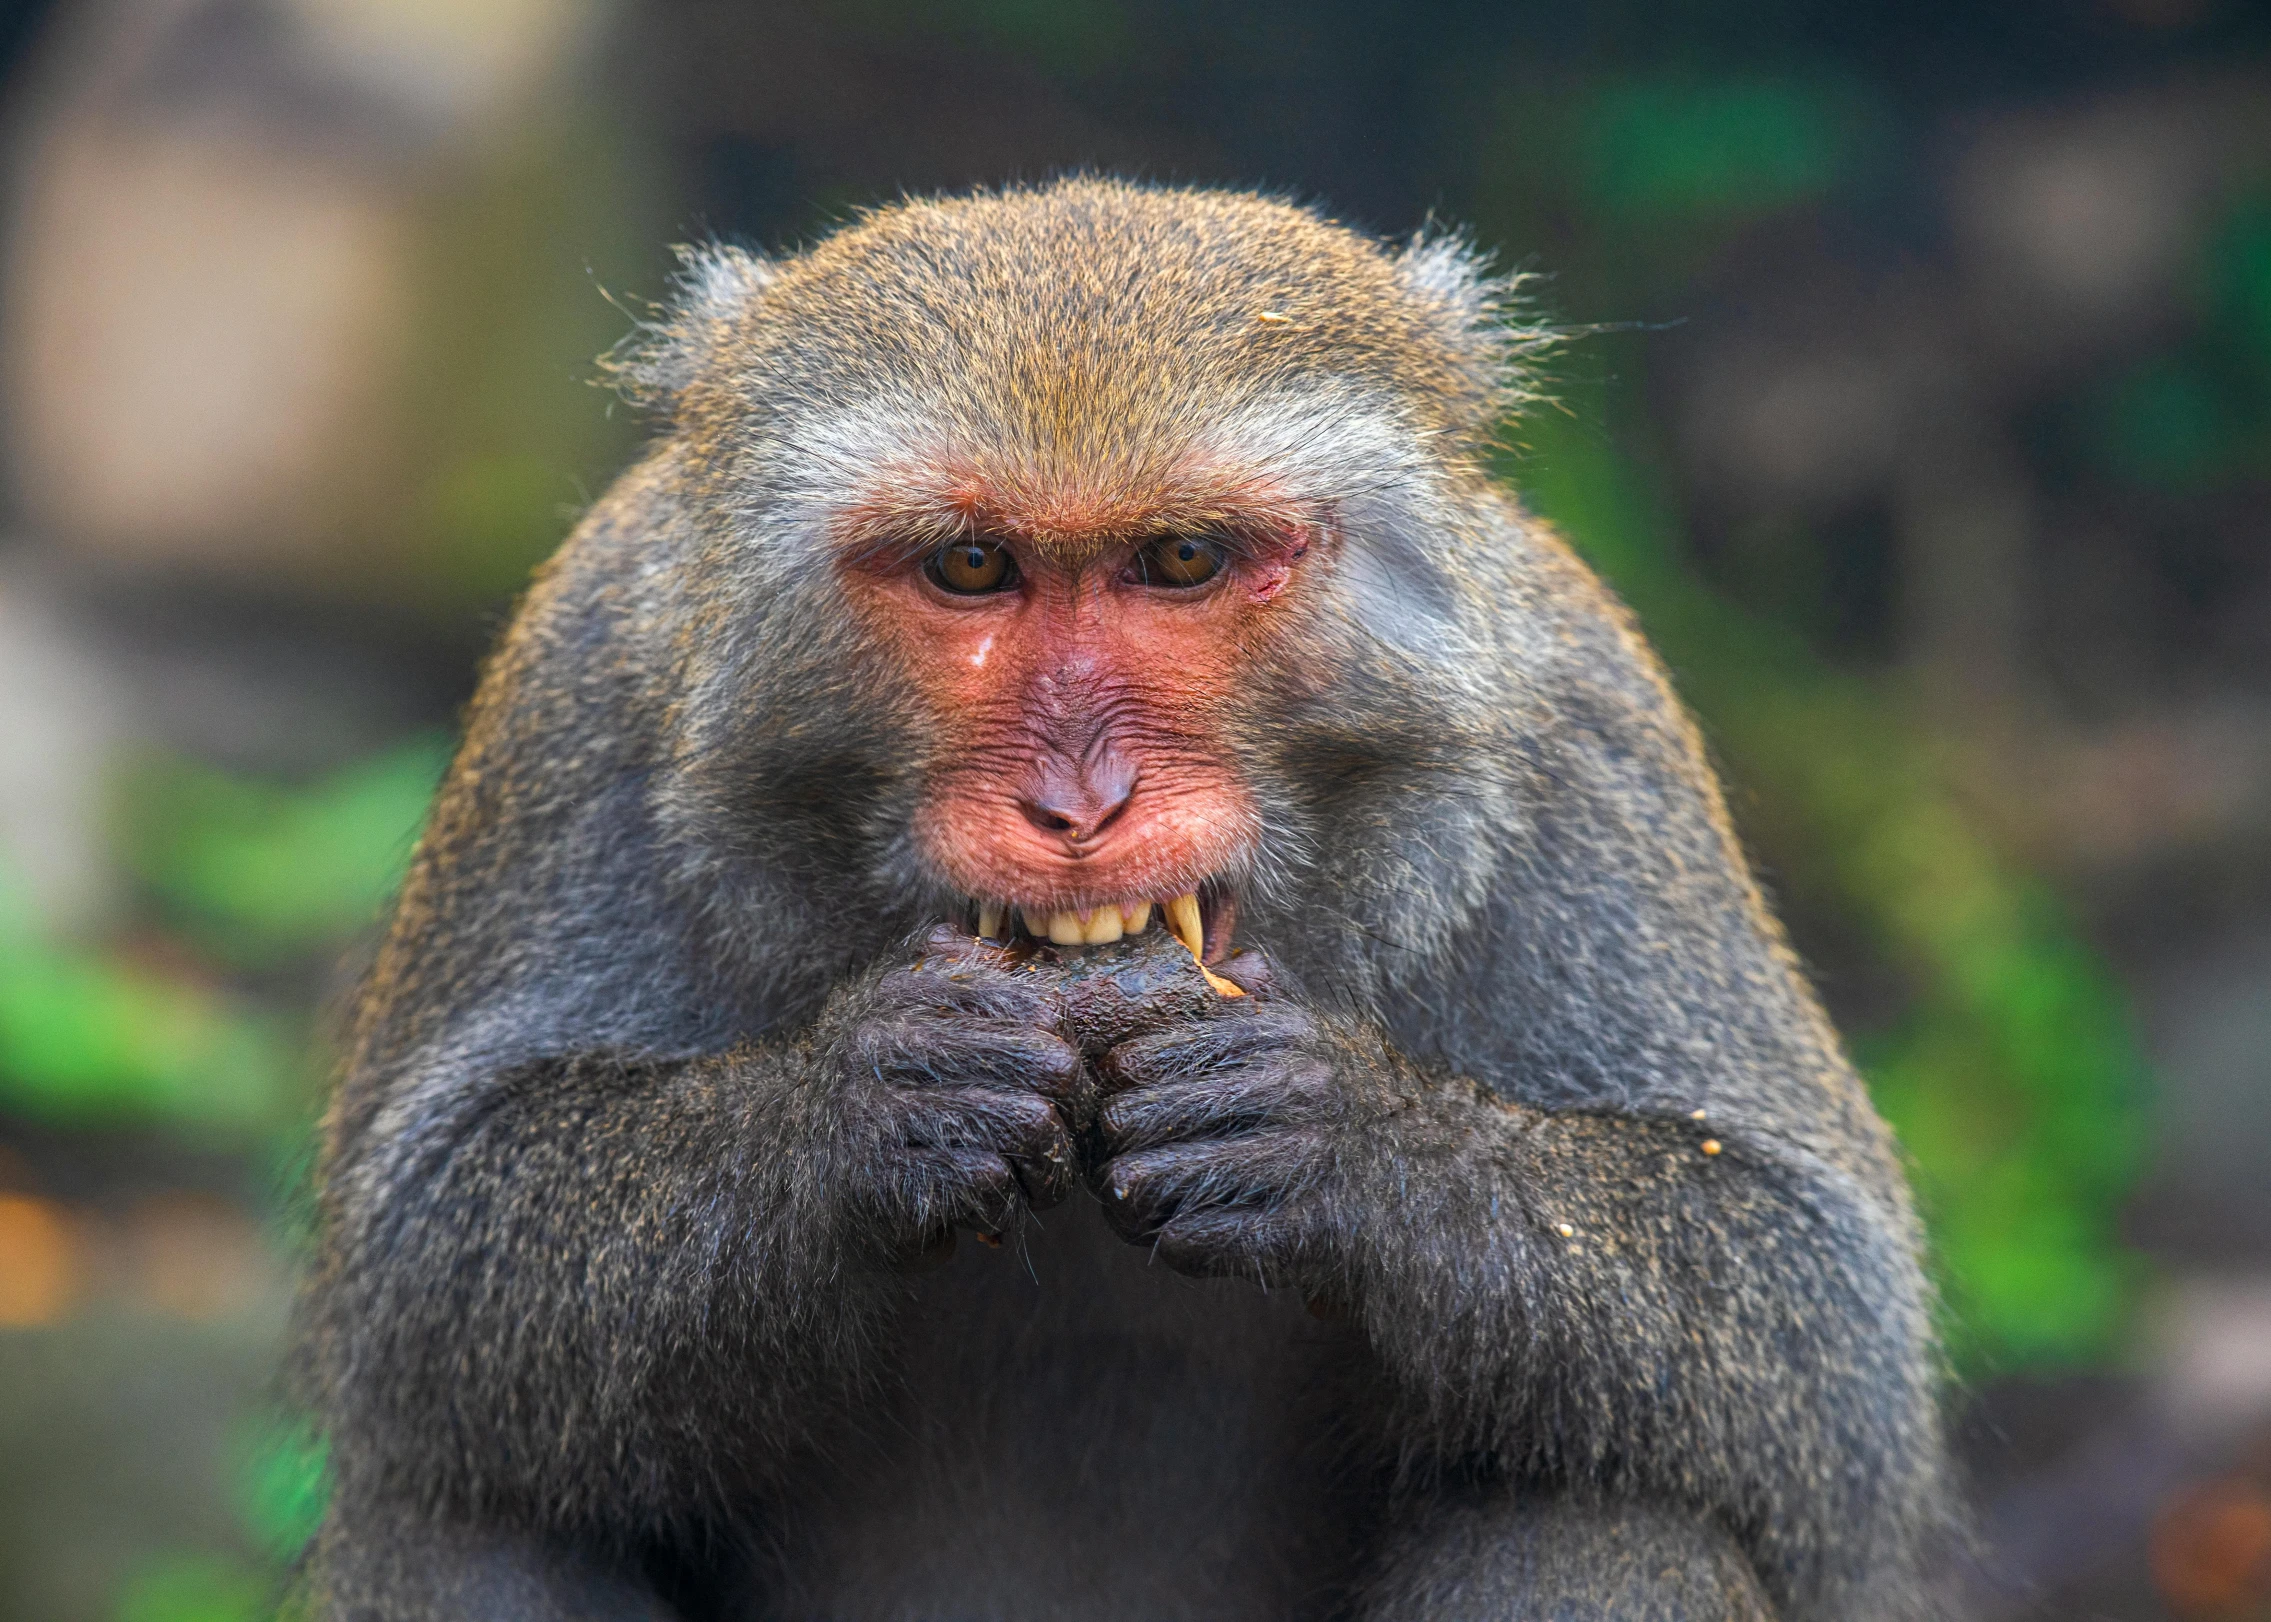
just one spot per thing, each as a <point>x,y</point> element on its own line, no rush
<point>1078,804</point>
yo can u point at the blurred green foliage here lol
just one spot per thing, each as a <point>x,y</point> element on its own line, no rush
<point>2195,416</point>
<point>260,871</point>
<point>2239,278</point>
<point>199,1588</point>
<point>281,1481</point>
<point>248,876</point>
<point>1633,180</point>
<point>1665,149</point>
<point>2013,1078</point>
<point>2010,1071</point>
<point>278,1483</point>
<point>93,1039</point>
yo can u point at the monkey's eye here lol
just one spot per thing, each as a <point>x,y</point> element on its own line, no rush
<point>972,568</point>
<point>1179,560</point>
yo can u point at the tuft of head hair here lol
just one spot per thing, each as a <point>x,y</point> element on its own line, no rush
<point>653,364</point>
<point>1491,313</point>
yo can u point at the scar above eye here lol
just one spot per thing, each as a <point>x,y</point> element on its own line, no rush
<point>978,659</point>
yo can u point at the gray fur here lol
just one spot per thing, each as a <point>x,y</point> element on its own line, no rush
<point>650,1106</point>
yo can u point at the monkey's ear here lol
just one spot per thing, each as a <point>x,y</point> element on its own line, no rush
<point>716,282</point>
<point>1486,319</point>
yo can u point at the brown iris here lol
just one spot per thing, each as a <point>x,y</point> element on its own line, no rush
<point>1179,560</point>
<point>972,568</point>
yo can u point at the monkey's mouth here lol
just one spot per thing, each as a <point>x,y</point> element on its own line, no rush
<point>1201,919</point>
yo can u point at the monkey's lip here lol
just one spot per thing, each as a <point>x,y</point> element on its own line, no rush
<point>1201,919</point>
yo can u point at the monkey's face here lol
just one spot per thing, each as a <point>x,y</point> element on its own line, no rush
<point>1082,552</point>
<point>1082,660</point>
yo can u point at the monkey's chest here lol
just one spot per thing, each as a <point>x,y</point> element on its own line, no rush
<point>1079,1433</point>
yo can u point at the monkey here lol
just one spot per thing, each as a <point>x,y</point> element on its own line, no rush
<point>1063,740</point>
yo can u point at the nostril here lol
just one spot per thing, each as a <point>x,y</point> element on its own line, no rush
<point>1110,814</point>
<point>1077,812</point>
<point>1055,817</point>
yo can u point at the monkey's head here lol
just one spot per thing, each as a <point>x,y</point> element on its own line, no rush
<point>1055,555</point>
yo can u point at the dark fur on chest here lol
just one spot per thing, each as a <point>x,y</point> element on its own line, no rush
<point>1067,1430</point>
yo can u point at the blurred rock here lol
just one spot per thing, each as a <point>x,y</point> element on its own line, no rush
<point>62,714</point>
<point>2077,222</point>
<point>2215,1354</point>
<point>299,290</point>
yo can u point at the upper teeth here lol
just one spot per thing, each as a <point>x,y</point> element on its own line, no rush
<point>1096,926</point>
<point>1093,926</point>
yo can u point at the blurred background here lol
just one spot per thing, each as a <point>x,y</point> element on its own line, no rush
<point>1922,410</point>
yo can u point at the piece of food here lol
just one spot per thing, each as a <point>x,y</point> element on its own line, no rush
<point>1183,923</point>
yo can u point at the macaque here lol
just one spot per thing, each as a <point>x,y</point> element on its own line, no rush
<point>1061,740</point>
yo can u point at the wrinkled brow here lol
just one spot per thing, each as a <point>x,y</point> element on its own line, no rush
<point>1269,468</point>
<point>1074,515</point>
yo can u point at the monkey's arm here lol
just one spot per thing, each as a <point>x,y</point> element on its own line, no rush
<point>596,1291</point>
<point>1697,1313</point>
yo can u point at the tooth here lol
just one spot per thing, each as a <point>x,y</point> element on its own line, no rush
<point>1134,915</point>
<point>1183,923</point>
<point>1064,928</point>
<point>1036,923</point>
<point>1103,926</point>
<point>989,920</point>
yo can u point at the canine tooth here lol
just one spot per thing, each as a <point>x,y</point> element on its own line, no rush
<point>1134,915</point>
<point>989,920</point>
<point>1183,923</point>
<point>1064,928</point>
<point>1103,926</point>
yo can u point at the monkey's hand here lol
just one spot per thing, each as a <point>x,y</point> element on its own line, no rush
<point>951,1083</point>
<point>1224,1133</point>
